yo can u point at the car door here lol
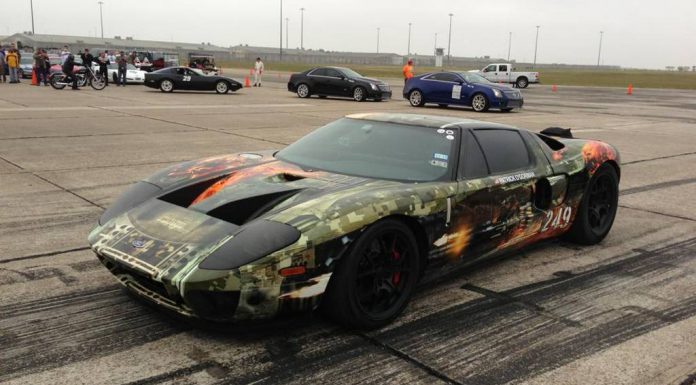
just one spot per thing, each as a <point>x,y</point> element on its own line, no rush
<point>443,88</point>
<point>196,81</point>
<point>503,74</point>
<point>181,78</point>
<point>319,81</point>
<point>490,72</point>
<point>515,189</point>
<point>471,210</point>
<point>337,83</point>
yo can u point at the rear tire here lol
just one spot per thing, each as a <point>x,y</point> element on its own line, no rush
<point>55,79</point>
<point>522,82</point>
<point>597,208</point>
<point>374,281</point>
<point>415,97</point>
<point>303,91</point>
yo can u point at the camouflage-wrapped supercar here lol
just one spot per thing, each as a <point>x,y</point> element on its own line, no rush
<point>352,216</point>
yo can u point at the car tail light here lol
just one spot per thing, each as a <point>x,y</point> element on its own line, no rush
<point>293,270</point>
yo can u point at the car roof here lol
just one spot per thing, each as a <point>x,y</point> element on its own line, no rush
<point>430,121</point>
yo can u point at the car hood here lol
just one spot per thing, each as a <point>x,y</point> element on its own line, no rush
<point>176,229</point>
<point>496,86</point>
<point>371,80</point>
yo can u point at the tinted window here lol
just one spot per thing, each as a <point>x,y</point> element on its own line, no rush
<point>333,73</point>
<point>375,150</point>
<point>505,150</point>
<point>490,68</point>
<point>319,72</point>
<point>472,164</point>
<point>445,77</point>
<point>502,68</point>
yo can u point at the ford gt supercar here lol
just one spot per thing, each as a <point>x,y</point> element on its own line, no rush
<point>352,216</point>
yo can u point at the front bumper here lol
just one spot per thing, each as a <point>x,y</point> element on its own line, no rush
<point>379,94</point>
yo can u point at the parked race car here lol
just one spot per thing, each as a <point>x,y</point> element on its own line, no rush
<point>190,79</point>
<point>350,217</point>
<point>133,74</point>
<point>461,88</point>
<point>338,81</point>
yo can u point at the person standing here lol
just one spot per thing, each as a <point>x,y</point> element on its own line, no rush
<point>258,72</point>
<point>408,70</point>
<point>12,60</point>
<point>122,62</point>
<point>40,67</point>
<point>64,54</point>
<point>3,66</point>
<point>104,62</point>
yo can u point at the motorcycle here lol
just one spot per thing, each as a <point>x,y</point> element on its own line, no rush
<point>84,76</point>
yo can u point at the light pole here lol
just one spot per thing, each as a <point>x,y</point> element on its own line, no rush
<point>101,18</point>
<point>408,53</point>
<point>31,5</point>
<point>434,50</point>
<point>509,46</point>
<point>287,23</point>
<point>302,28</point>
<point>449,40</point>
<point>536,43</point>
<point>281,30</point>
<point>599,55</point>
<point>377,39</point>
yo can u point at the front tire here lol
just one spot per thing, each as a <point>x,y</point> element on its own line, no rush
<point>166,85</point>
<point>597,208</point>
<point>480,103</point>
<point>374,281</point>
<point>222,87</point>
<point>359,94</point>
<point>303,91</point>
<point>416,98</point>
<point>98,83</point>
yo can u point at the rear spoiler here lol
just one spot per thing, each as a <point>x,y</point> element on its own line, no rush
<point>558,132</point>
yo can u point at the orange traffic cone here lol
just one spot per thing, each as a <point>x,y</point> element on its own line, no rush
<point>247,83</point>
<point>34,81</point>
<point>629,90</point>
<point>554,88</point>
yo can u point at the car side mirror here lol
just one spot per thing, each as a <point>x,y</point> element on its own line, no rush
<point>342,77</point>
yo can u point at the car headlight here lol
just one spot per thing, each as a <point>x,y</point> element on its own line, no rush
<point>497,93</point>
<point>252,242</point>
<point>374,86</point>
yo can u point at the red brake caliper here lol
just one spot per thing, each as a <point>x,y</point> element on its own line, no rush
<point>396,276</point>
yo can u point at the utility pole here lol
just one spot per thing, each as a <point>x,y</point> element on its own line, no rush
<point>408,53</point>
<point>449,41</point>
<point>31,5</point>
<point>287,23</point>
<point>101,18</point>
<point>377,39</point>
<point>509,46</point>
<point>281,30</point>
<point>599,55</point>
<point>435,49</point>
<point>536,43</point>
<point>302,28</point>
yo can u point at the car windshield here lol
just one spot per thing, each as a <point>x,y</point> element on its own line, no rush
<point>350,73</point>
<point>471,77</point>
<point>374,149</point>
<point>26,60</point>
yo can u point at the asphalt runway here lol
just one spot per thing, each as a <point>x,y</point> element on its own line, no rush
<point>621,312</point>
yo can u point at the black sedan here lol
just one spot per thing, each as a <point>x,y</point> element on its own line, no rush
<point>190,79</point>
<point>338,81</point>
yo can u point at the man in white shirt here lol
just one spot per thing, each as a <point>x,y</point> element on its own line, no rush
<point>64,54</point>
<point>258,72</point>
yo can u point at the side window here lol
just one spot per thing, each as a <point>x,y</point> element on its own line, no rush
<point>490,68</point>
<point>502,68</point>
<point>181,71</point>
<point>333,73</point>
<point>505,150</point>
<point>319,72</point>
<point>444,76</point>
<point>472,164</point>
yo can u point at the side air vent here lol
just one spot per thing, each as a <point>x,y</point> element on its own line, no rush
<point>184,196</point>
<point>284,178</point>
<point>244,210</point>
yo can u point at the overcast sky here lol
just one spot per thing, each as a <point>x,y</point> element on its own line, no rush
<point>637,33</point>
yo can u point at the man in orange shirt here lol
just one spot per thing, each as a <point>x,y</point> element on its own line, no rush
<point>408,70</point>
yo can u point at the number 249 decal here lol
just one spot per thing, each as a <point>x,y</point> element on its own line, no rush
<point>557,218</point>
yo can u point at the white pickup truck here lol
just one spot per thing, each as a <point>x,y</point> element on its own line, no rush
<point>503,73</point>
